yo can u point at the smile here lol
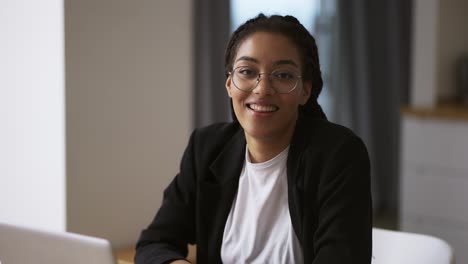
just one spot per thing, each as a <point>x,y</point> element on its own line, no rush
<point>263,108</point>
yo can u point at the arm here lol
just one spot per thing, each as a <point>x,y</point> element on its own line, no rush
<point>344,207</point>
<point>166,238</point>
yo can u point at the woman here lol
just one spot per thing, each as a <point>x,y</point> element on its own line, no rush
<point>279,184</point>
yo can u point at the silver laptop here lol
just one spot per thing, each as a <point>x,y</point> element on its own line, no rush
<point>21,245</point>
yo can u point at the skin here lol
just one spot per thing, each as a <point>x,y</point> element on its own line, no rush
<point>268,133</point>
<point>180,261</point>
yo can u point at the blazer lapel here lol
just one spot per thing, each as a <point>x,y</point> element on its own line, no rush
<point>228,164</point>
<point>295,175</point>
<point>215,196</point>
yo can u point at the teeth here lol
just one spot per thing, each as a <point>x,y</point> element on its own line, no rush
<point>263,108</point>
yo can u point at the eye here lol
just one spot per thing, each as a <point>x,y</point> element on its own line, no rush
<point>245,72</point>
<point>283,75</point>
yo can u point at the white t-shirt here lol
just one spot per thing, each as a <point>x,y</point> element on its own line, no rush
<point>259,228</point>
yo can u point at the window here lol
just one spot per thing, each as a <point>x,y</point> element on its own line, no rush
<point>304,10</point>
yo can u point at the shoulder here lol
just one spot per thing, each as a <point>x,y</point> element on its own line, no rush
<point>333,154</point>
<point>323,137</point>
<point>330,130</point>
<point>209,141</point>
<point>216,133</point>
<point>324,132</point>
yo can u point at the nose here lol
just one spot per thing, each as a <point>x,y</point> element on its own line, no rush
<point>264,85</point>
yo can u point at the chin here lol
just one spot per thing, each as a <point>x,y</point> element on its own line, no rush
<point>263,133</point>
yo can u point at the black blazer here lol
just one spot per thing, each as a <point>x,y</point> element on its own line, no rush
<point>328,191</point>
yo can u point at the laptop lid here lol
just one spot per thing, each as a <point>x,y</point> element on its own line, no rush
<point>21,245</point>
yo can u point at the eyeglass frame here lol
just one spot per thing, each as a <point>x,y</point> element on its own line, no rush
<point>231,73</point>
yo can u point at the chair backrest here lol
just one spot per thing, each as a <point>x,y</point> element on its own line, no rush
<point>396,247</point>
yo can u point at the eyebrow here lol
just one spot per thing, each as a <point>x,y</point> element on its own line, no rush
<point>279,62</point>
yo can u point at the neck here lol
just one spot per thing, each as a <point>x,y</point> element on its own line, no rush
<point>264,149</point>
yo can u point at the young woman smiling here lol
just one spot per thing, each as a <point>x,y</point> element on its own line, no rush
<point>279,184</point>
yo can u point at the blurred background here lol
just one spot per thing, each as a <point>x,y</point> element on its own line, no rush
<point>98,99</point>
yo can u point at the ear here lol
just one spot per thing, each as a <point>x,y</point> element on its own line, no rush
<point>305,92</point>
<point>228,85</point>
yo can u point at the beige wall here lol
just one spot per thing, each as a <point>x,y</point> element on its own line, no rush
<point>128,97</point>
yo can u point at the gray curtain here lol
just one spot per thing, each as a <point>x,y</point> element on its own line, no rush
<point>371,83</point>
<point>211,29</point>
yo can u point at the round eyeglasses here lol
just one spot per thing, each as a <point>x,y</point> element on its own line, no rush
<point>247,79</point>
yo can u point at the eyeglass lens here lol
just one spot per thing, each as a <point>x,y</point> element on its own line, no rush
<point>281,81</point>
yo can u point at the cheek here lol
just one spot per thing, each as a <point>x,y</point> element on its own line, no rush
<point>237,101</point>
<point>294,100</point>
<point>238,97</point>
<point>302,96</point>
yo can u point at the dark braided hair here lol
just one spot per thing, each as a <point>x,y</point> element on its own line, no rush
<point>291,28</point>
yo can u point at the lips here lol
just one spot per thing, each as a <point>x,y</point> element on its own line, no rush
<point>262,108</point>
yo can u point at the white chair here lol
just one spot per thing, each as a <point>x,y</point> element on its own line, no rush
<point>396,247</point>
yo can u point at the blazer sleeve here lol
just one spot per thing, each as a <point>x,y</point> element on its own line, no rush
<point>344,207</point>
<point>173,227</point>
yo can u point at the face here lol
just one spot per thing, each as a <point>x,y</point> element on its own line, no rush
<point>263,113</point>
